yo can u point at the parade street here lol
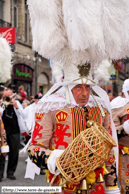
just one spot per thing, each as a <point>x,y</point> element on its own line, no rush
<point>20,173</point>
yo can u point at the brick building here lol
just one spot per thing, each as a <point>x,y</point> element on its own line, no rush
<point>28,68</point>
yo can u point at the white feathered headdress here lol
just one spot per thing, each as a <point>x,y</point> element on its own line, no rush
<point>5,60</point>
<point>75,32</point>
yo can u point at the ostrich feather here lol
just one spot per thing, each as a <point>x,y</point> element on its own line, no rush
<point>76,31</point>
<point>101,73</point>
<point>57,70</point>
<point>5,60</point>
<point>47,29</point>
<point>114,16</point>
<point>83,23</point>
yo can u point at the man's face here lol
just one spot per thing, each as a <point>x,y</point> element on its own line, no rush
<point>7,93</point>
<point>81,94</point>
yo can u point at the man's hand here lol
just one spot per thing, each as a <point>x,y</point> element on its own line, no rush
<point>14,103</point>
<point>51,162</point>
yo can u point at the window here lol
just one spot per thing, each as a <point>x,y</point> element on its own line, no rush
<point>26,22</point>
<point>15,13</point>
<point>1,11</point>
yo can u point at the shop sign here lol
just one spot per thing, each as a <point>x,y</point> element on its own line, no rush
<point>22,72</point>
<point>8,33</point>
<point>113,73</point>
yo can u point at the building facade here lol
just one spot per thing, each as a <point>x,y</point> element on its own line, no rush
<point>119,71</point>
<point>28,68</point>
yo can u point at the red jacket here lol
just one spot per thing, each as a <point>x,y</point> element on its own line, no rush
<point>23,94</point>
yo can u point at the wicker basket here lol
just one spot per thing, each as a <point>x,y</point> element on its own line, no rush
<point>88,151</point>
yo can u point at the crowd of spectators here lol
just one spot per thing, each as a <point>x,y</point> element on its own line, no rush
<point>28,104</point>
<point>22,97</point>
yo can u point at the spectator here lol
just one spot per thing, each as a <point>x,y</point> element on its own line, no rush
<point>25,103</point>
<point>37,97</point>
<point>22,93</point>
<point>111,97</point>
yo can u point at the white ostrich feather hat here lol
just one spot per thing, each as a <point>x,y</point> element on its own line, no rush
<point>77,32</point>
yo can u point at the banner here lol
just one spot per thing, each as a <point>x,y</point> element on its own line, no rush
<point>9,34</point>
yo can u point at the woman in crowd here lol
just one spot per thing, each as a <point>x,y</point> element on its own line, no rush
<point>22,93</point>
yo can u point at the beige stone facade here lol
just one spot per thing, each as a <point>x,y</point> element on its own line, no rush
<point>16,13</point>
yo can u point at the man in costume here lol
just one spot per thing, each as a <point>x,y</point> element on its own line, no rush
<point>5,75</point>
<point>120,114</point>
<point>4,148</point>
<point>3,144</point>
<point>72,33</point>
<point>59,119</point>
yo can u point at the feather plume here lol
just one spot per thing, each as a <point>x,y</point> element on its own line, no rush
<point>57,70</point>
<point>114,16</point>
<point>76,31</point>
<point>5,60</point>
<point>47,27</point>
<point>83,23</point>
<point>101,73</point>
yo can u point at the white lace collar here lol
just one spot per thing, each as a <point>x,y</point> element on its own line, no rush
<point>58,101</point>
<point>118,102</point>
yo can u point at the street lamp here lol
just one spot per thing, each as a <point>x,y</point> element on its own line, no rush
<point>36,71</point>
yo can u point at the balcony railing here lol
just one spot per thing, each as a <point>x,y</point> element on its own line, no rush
<point>4,23</point>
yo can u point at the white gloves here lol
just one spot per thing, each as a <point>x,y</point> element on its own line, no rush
<point>126,126</point>
<point>52,161</point>
<point>112,191</point>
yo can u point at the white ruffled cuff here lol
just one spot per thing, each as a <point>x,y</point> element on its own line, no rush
<point>126,126</point>
<point>112,191</point>
<point>51,162</point>
<point>4,149</point>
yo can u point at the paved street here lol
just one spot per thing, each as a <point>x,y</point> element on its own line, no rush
<point>20,172</point>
